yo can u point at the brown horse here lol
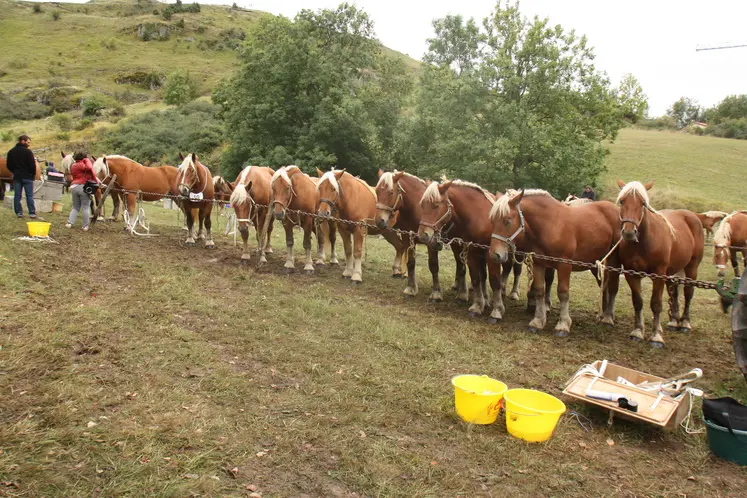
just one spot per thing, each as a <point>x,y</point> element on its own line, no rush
<point>662,242</point>
<point>195,185</point>
<point>327,232</point>
<point>293,190</point>
<point>249,199</point>
<point>341,195</point>
<point>731,232</point>
<point>533,221</point>
<point>398,197</point>
<point>574,200</point>
<point>458,209</point>
<point>7,177</point>
<point>709,220</point>
<point>133,177</point>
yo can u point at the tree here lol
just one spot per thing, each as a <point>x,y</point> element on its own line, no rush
<point>684,111</point>
<point>179,88</point>
<point>631,99</point>
<point>316,89</point>
<point>525,107</point>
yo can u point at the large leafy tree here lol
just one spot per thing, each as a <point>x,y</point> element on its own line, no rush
<point>315,91</point>
<point>632,100</point>
<point>684,111</point>
<point>518,103</point>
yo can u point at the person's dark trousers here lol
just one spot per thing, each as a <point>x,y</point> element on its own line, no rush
<point>28,187</point>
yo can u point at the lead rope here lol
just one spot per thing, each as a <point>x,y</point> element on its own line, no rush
<point>600,271</point>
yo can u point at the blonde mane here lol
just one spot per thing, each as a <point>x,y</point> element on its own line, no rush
<point>330,177</point>
<point>186,163</point>
<point>387,179</point>
<point>67,163</point>
<point>240,195</point>
<point>283,173</point>
<point>501,207</point>
<point>637,189</point>
<point>715,214</point>
<point>722,237</point>
<point>432,194</point>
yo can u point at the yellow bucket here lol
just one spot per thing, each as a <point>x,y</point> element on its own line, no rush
<point>532,415</point>
<point>478,398</point>
<point>38,228</point>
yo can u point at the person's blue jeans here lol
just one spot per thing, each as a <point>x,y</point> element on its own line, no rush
<point>21,186</point>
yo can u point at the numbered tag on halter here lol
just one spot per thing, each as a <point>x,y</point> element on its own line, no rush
<point>195,196</point>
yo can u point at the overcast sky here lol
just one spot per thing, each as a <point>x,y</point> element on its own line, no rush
<point>653,39</point>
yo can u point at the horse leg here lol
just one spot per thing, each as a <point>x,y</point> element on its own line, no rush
<point>460,279</point>
<point>288,226</point>
<point>131,207</point>
<point>691,271</point>
<point>611,284</point>
<point>538,289</point>
<point>436,296</point>
<point>496,285</point>
<point>308,227</point>
<point>563,327</point>
<point>243,228</point>
<point>332,238</point>
<point>200,216</point>
<point>190,220</point>
<point>514,296</point>
<point>657,339</point>
<point>549,278</point>
<point>635,291</point>
<point>734,262</point>
<point>399,249</point>
<point>358,240</point>
<point>476,276</point>
<point>261,223</point>
<point>673,291</point>
<point>505,275</point>
<point>412,284</point>
<point>322,235</point>
<point>348,246</point>
<point>116,201</point>
<point>268,246</point>
<point>209,244</point>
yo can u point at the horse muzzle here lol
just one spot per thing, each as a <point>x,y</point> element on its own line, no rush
<point>721,270</point>
<point>499,255</point>
<point>630,235</point>
<point>184,190</point>
<point>279,215</point>
<point>381,222</point>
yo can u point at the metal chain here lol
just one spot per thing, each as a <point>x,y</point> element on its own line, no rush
<point>466,245</point>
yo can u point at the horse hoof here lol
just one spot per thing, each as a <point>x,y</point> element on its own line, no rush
<point>673,327</point>
<point>189,244</point>
<point>635,339</point>
<point>656,344</point>
<point>461,299</point>
<point>210,246</point>
<point>684,330</point>
<point>356,282</point>
<point>492,321</point>
<point>308,272</point>
<point>533,330</point>
<point>244,262</point>
<point>288,271</point>
<point>561,333</point>
<point>435,300</point>
<point>397,275</point>
<point>473,314</point>
<point>514,296</point>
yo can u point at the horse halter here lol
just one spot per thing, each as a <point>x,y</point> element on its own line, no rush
<point>195,180</point>
<point>510,240</point>
<point>338,195</point>
<point>397,201</point>
<point>290,198</point>
<point>445,218</point>
<point>634,222</point>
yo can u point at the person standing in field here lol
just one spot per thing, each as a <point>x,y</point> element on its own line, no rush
<point>21,162</point>
<point>588,193</point>
<point>82,173</point>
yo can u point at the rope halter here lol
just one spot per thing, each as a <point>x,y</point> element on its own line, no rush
<point>510,240</point>
<point>440,223</point>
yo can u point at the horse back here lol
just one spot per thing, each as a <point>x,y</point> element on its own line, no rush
<point>738,224</point>
<point>359,203</point>
<point>689,241</point>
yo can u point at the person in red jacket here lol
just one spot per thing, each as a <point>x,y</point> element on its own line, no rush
<point>82,172</point>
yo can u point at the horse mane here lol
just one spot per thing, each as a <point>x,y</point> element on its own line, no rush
<point>387,179</point>
<point>501,207</point>
<point>216,180</point>
<point>240,194</point>
<point>432,194</point>
<point>283,173</point>
<point>330,177</point>
<point>722,237</point>
<point>718,215</point>
<point>67,163</point>
<point>186,163</point>
<point>636,188</point>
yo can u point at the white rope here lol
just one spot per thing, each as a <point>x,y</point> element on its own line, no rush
<point>37,238</point>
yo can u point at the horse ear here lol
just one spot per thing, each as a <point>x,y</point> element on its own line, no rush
<point>498,194</point>
<point>381,172</point>
<point>649,185</point>
<point>103,158</point>
<point>444,187</point>
<point>339,173</point>
<point>517,199</point>
<point>249,186</point>
<point>319,172</point>
<point>398,175</point>
<point>63,154</point>
<point>620,183</point>
<point>194,157</point>
<point>181,156</point>
<point>94,158</point>
<point>229,186</point>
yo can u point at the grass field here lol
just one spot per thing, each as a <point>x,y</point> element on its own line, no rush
<point>137,366</point>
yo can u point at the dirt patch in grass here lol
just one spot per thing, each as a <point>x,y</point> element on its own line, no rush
<point>142,367</point>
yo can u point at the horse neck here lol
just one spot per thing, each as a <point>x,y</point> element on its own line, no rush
<point>410,207</point>
<point>470,210</point>
<point>303,193</point>
<point>537,216</point>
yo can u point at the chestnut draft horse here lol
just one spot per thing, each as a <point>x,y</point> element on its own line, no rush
<point>293,190</point>
<point>460,209</point>
<point>67,163</point>
<point>709,220</point>
<point>195,184</point>
<point>533,221</point>
<point>343,196</point>
<point>731,232</point>
<point>574,200</point>
<point>154,183</point>
<point>7,177</point>
<point>398,197</point>
<point>249,199</point>
<point>663,242</point>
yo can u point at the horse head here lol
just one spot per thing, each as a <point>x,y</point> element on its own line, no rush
<point>388,197</point>
<point>633,201</point>
<point>189,176</point>
<point>508,224</point>
<point>437,212</point>
<point>241,200</point>
<point>282,192</point>
<point>330,192</point>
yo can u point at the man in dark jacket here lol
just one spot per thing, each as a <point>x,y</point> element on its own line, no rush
<point>588,193</point>
<point>22,164</point>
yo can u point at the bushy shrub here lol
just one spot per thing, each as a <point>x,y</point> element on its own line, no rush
<point>84,124</point>
<point>660,123</point>
<point>729,128</point>
<point>150,80</point>
<point>12,109</point>
<point>179,89</point>
<point>64,136</point>
<point>56,15</point>
<point>194,127</point>
<point>37,8</point>
<point>63,121</point>
<point>93,105</point>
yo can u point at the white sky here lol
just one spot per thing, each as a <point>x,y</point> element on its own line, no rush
<point>653,39</point>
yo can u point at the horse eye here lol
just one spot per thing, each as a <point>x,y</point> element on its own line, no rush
<point>507,222</point>
<point>622,202</point>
